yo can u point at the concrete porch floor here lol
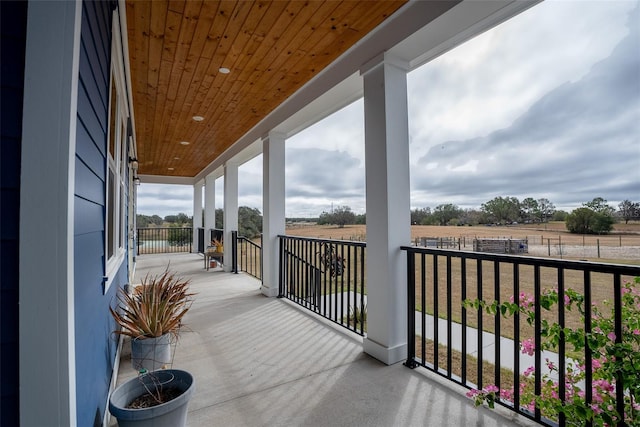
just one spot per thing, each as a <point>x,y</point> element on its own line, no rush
<point>261,361</point>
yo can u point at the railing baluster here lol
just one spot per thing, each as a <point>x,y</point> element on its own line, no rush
<point>436,335</point>
<point>449,311</point>
<point>496,334</point>
<point>423,312</point>
<point>538,339</point>
<point>617,322</point>
<point>516,338</point>
<point>561,344</point>
<point>588,354</point>
<point>480,329</point>
<point>463,326</point>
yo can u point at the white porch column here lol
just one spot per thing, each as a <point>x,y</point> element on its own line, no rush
<point>273,219</point>
<point>388,207</point>
<point>230,210</point>
<point>209,206</point>
<point>197,213</point>
<point>46,288</point>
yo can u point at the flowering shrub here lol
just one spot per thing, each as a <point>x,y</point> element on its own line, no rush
<point>610,357</point>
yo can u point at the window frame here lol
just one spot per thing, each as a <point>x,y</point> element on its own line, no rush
<point>116,164</point>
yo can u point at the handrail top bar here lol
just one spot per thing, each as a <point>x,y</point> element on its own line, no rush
<point>316,239</point>
<point>625,269</point>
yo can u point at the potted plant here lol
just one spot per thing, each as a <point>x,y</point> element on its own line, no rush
<point>152,316</point>
<point>154,399</point>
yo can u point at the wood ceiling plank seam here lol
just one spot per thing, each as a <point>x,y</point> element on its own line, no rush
<point>292,19</point>
<point>187,29</point>
<point>215,32</point>
<point>186,111</point>
<point>292,34</point>
<point>234,26</point>
<point>215,48</point>
<point>137,25</point>
<point>262,26</point>
<point>339,39</point>
<point>176,6</point>
<point>157,24</point>
<point>203,28</point>
<point>313,28</point>
<point>172,32</point>
<point>238,8</point>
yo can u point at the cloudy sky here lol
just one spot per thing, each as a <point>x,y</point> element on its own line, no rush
<point>545,105</point>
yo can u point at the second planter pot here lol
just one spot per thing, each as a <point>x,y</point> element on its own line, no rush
<point>151,353</point>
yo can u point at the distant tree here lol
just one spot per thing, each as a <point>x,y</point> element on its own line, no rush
<point>529,209</point>
<point>560,215</point>
<point>343,216</point>
<point>587,221</point>
<point>444,214</point>
<point>361,219</point>
<point>325,218</point>
<point>418,215</point>
<point>545,209</point>
<point>472,217</point>
<point>143,221</point>
<point>502,210</point>
<point>156,220</point>
<point>171,219</point>
<point>183,219</point>
<point>219,219</point>
<point>600,205</point>
<point>629,210</point>
<point>249,222</point>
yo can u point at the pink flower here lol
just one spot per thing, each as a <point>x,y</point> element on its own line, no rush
<point>528,347</point>
<point>550,365</point>
<point>636,332</point>
<point>507,394</point>
<point>611,336</point>
<point>491,389</point>
<point>567,300</point>
<point>529,371</point>
<point>473,393</point>
<point>595,364</point>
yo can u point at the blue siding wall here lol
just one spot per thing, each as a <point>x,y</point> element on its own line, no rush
<point>95,343</point>
<point>13,29</point>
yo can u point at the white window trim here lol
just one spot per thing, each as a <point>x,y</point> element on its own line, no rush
<point>113,264</point>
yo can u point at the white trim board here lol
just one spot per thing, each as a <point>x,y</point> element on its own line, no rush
<point>46,294</point>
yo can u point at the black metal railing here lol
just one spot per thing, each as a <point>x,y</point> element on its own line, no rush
<point>460,343</point>
<point>164,240</point>
<point>249,256</point>
<point>201,245</point>
<point>326,277</point>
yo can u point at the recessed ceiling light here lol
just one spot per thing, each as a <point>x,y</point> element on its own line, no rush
<point>170,169</point>
<point>185,142</point>
<point>176,158</point>
<point>197,118</point>
<point>224,70</point>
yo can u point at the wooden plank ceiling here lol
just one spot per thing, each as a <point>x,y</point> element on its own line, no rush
<point>271,48</point>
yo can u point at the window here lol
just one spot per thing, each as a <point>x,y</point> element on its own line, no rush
<point>117,166</point>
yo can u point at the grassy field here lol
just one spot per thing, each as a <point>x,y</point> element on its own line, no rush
<point>627,234</point>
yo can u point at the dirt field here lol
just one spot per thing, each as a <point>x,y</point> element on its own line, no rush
<point>550,239</point>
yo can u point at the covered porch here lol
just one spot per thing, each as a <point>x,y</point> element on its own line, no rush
<point>265,361</point>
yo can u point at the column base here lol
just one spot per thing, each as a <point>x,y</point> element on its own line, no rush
<point>387,355</point>
<point>270,292</point>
